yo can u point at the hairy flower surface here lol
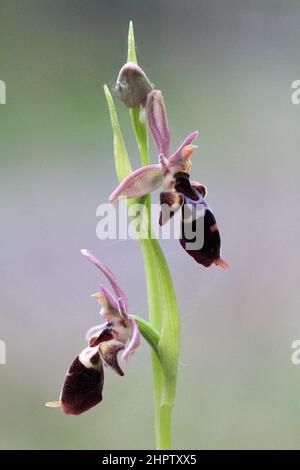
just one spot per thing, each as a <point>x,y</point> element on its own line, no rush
<point>82,388</point>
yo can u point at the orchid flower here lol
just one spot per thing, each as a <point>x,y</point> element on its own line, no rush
<point>82,388</point>
<point>172,173</point>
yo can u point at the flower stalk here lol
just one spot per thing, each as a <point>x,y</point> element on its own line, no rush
<point>163,329</point>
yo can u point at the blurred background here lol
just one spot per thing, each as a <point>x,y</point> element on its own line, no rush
<point>226,69</point>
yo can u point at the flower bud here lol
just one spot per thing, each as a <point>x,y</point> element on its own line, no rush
<point>133,85</point>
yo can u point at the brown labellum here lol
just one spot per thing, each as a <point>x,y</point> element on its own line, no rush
<point>210,251</point>
<point>83,386</point>
<point>170,202</point>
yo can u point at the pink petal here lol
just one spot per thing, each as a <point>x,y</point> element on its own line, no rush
<point>108,274</point>
<point>111,301</point>
<point>139,183</point>
<point>158,122</point>
<point>192,136</point>
<point>134,341</point>
<point>122,309</point>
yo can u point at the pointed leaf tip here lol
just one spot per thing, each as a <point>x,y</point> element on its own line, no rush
<point>131,56</point>
<point>122,162</point>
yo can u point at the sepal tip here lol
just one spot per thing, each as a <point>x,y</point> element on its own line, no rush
<point>53,404</point>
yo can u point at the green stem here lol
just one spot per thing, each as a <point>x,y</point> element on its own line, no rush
<point>163,316</point>
<point>162,420</point>
<point>154,306</point>
<point>154,281</point>
<point>163,311</point>
<point>164,376</point>
<point>160,430</point>
<point>137,116</point>
<point>164,436</point>
<point>162,330</point>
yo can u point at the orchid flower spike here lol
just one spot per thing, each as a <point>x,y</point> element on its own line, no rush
<point>82,388</point>
<point>172,173</point>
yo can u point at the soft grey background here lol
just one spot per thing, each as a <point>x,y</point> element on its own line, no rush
<point>226,69</point>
